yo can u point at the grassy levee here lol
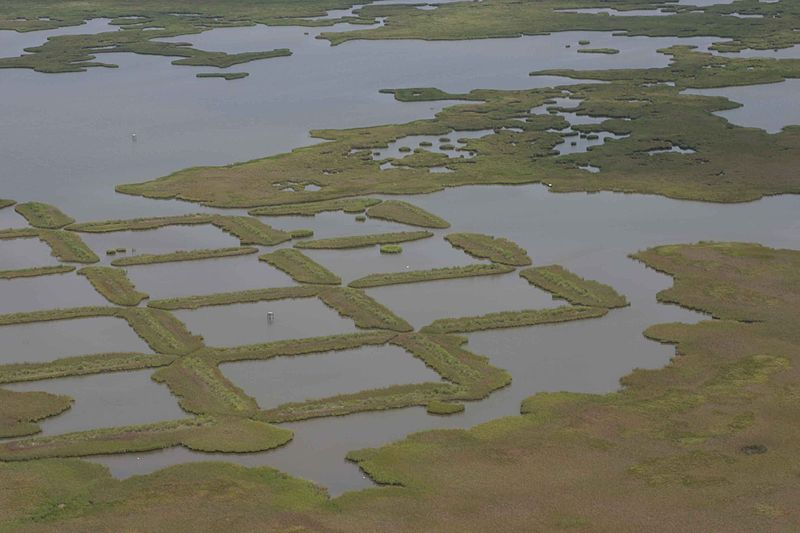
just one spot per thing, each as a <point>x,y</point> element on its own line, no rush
<point>19,411</point>
<point>44,216</point>
<point>250,230</point>
<point>114,285</point>
<point>363,310</point>
<point>35,271</point>
<point>394,397</point>
<point>164,333</point>
<point>438,407</point>
<point>18,233</point>
<point>286,348</point>
<point>140,224</point>
<point>201,389</point>
<point>405,213</point>
<point>347,205</point>
<point>190,255</point>
<point>68,246</point>
<point>361,241</point>
<point>201,434</point>
<point>81,366</point>
<point>568,286</point>
<point>301,233</point>
<point>300,267</point>
<point>229,76</point>
<point>495,249</point>
<point>240,297</point>
<point>48,315</point>
<point>6,203</point>
<point>417,276</point>
<point>513,319</point>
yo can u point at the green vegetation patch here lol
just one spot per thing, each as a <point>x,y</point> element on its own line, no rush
<point>6,203</point>
<point>19,411</point>
<point>391,249</point>
<point>405,213</point>
<point>300,267</point>
<point>301,233</point>
<point>250,230</point>
<point>360,241</point>
<point>240,297</point>
<point>513,319</point>
<point>48,315</point>
<point>224,75</point>
<point>348,205</point>
<point>114,285</point>
<point>417,276</point>
<point>437,407</point>
<point>22,233</point>
<point>43,216</point>
<point>81,366</point>
<point>202,389</point>
<point>36,271</point>
<point>191,255</point>
<point>163,332</point>
<point>495,249</point>
<point>363,310</point>
<point>68,246</point>
<point>564,284</point>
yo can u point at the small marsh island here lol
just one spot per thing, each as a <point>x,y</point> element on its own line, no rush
<point>319,266</point>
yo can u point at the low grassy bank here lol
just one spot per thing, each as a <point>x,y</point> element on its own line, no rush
<point>45,216</point>
<point>418,276</point>
<point>568,286</point>
<point>114,285</point>
<point>361,241</point>
<point>175,257</point>
<point>35,271</point>
<point>513,319</point>
<point>405,213</point>
<point>495,249</point>
<point>347,205</point>
<point>300,267</point>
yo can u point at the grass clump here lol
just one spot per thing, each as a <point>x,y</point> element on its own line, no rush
<point>513,319</point>
<point>191,255</point>
<point>437,407</point>
<point>300,267</point>
<point>240,297</point>
<point>417,276</point>
<point>365,311</point>
<point>6,203</point>
<point>347,205</point>
<point>35,271</point>
<point>44,216</point>
<point>405,213</point>
<point>114,285</point>
<point>361,218</point>
<point>301,233</point>
<point>361,241</point>
<point>391,249</point>
<point>562,283</point>
<point>495,249</point>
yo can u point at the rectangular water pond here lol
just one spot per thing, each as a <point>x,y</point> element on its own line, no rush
<point>190,278</point>
<point>25,253</point>
<point>159,241</point>
<point>422,303</point>
<point>234,325</point>
<point>107,400</point>
<point>295,379</point>
<point>47,292</point>
<point>354,263</point>
<point>46,341</point>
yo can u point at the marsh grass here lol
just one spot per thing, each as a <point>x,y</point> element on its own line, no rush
<point>191,255</point>
<point>563,284</point>
<point>361,241</point>
<point>495,249</point>
<point>300,267</point>
<point>417,276</point>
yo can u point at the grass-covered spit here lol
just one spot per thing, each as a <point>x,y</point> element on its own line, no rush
<point>300,267</point>
<point>114,285</point>
<point>564,284</point>
<point>45,216</point>
<point>363,310</point>
<point>240,297</point>
<point>35,271</point>
<point>405,213</point>
<point>348,205</point>
<point>190,255</point>
<point>513,319</point>
<point>495,249</point>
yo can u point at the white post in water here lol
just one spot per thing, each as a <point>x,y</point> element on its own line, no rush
<point>270,317</point>
<point>133,137</point>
